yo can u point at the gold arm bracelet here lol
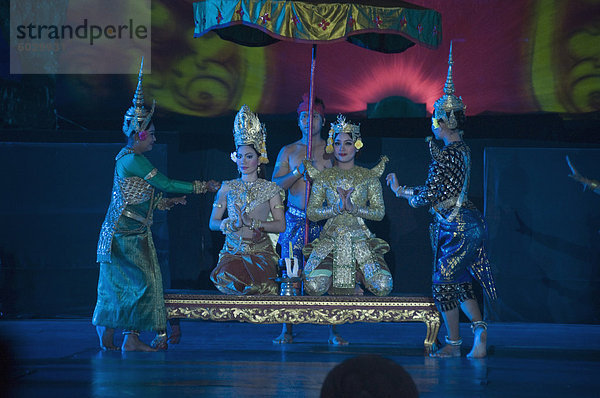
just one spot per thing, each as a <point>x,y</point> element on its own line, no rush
<point>200,187</point>
<point>151,174</point>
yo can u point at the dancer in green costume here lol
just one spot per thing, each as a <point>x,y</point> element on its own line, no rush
<point>130,289</point>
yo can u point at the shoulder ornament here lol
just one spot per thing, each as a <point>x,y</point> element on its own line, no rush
<point>312,171</point>
<point>380,167</point>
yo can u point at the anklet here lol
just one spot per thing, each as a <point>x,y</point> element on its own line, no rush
<point>453,342</point>
<point>160,341</point>
<point>477,324</point>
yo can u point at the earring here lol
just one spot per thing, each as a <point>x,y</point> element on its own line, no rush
<point>329,147</point>
<point>258,170</point>
<point>358,144</point>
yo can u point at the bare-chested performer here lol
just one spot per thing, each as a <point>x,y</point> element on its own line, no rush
<point>289,175</point>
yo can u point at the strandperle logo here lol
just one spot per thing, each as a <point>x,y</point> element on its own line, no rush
<point>79,36</point>
<point>82,31</point>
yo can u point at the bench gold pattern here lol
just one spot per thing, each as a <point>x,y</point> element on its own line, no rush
<point>322,310</point>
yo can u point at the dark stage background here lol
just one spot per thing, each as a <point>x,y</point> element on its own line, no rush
<point>544,230</point>
<point>544,234</point>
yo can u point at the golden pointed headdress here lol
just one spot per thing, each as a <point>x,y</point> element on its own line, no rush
<point>248,130</point>
<point>448,104</point>
<point>342,126</point>
<point>137,118</point>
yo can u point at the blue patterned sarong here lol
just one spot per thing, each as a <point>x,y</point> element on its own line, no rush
<point>295,220</point>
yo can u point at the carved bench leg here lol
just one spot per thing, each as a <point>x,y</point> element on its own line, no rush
<point>433,327</point>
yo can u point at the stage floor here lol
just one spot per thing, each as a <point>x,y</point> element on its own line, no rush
<point>61,358</point>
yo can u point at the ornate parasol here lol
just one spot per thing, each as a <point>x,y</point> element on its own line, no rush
<point>381,25</point>
<point>386,26</point>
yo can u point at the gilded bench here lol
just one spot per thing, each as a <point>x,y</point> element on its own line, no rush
<point>321,310</point>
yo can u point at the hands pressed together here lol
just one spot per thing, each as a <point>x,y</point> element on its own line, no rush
<point>345,203</point>
<point>241,217</point>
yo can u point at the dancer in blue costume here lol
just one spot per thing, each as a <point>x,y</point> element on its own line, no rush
<point>458,231</point>
<point>130,289</point>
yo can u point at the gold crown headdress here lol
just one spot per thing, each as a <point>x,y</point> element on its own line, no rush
<point>353,130</point>
<point>448,103</point>
<point>248,130</point>
<point>137,118</point>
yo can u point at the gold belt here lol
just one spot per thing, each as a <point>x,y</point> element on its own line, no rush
<point>452,203</point>
<point>137,217</point>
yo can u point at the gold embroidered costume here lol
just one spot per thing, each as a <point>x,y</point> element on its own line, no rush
<point>458,232</point>
<point>130,288</point>
<point>247,266</point>
<point>346,252</point>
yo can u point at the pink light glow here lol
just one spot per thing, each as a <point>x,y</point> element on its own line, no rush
<point>349,77</point>
<point>488,71</point>
<point>387,75</point>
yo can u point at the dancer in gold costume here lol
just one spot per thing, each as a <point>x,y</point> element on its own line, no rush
<point>346,253</point>
<point>248,263</point>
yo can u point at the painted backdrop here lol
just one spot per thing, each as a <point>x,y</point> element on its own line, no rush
<point>510,57</point>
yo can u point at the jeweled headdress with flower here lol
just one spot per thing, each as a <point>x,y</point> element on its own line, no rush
<point>342,126</point>
<point>445,107</point>
<point>248,130</point>
<point>137,118</point>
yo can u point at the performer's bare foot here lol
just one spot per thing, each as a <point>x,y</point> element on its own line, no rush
<point>133,343</point>
<point>107,338</point>
<point>160,341</point>
<point>175,337</point>
<point>286,336</point>
<point>479,344</point>
<point>336,340</point>
<point>358,291</point>
<point>447,351</point>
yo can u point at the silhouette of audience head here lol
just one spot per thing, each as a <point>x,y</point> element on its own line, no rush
<point>7,367</point>
<point>368,376</point>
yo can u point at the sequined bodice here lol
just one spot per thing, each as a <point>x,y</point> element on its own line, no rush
<point>448,170</point>
<point>249,194</point>
<point>135,190</point>
<point>357,178</point>
<point>367,197</point>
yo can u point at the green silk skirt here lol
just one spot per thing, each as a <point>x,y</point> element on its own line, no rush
<point>130,290</point>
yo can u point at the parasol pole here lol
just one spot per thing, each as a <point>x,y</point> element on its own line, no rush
<point>311,100</point>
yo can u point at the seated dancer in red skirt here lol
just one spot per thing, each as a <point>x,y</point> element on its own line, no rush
<point>248,262</point>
